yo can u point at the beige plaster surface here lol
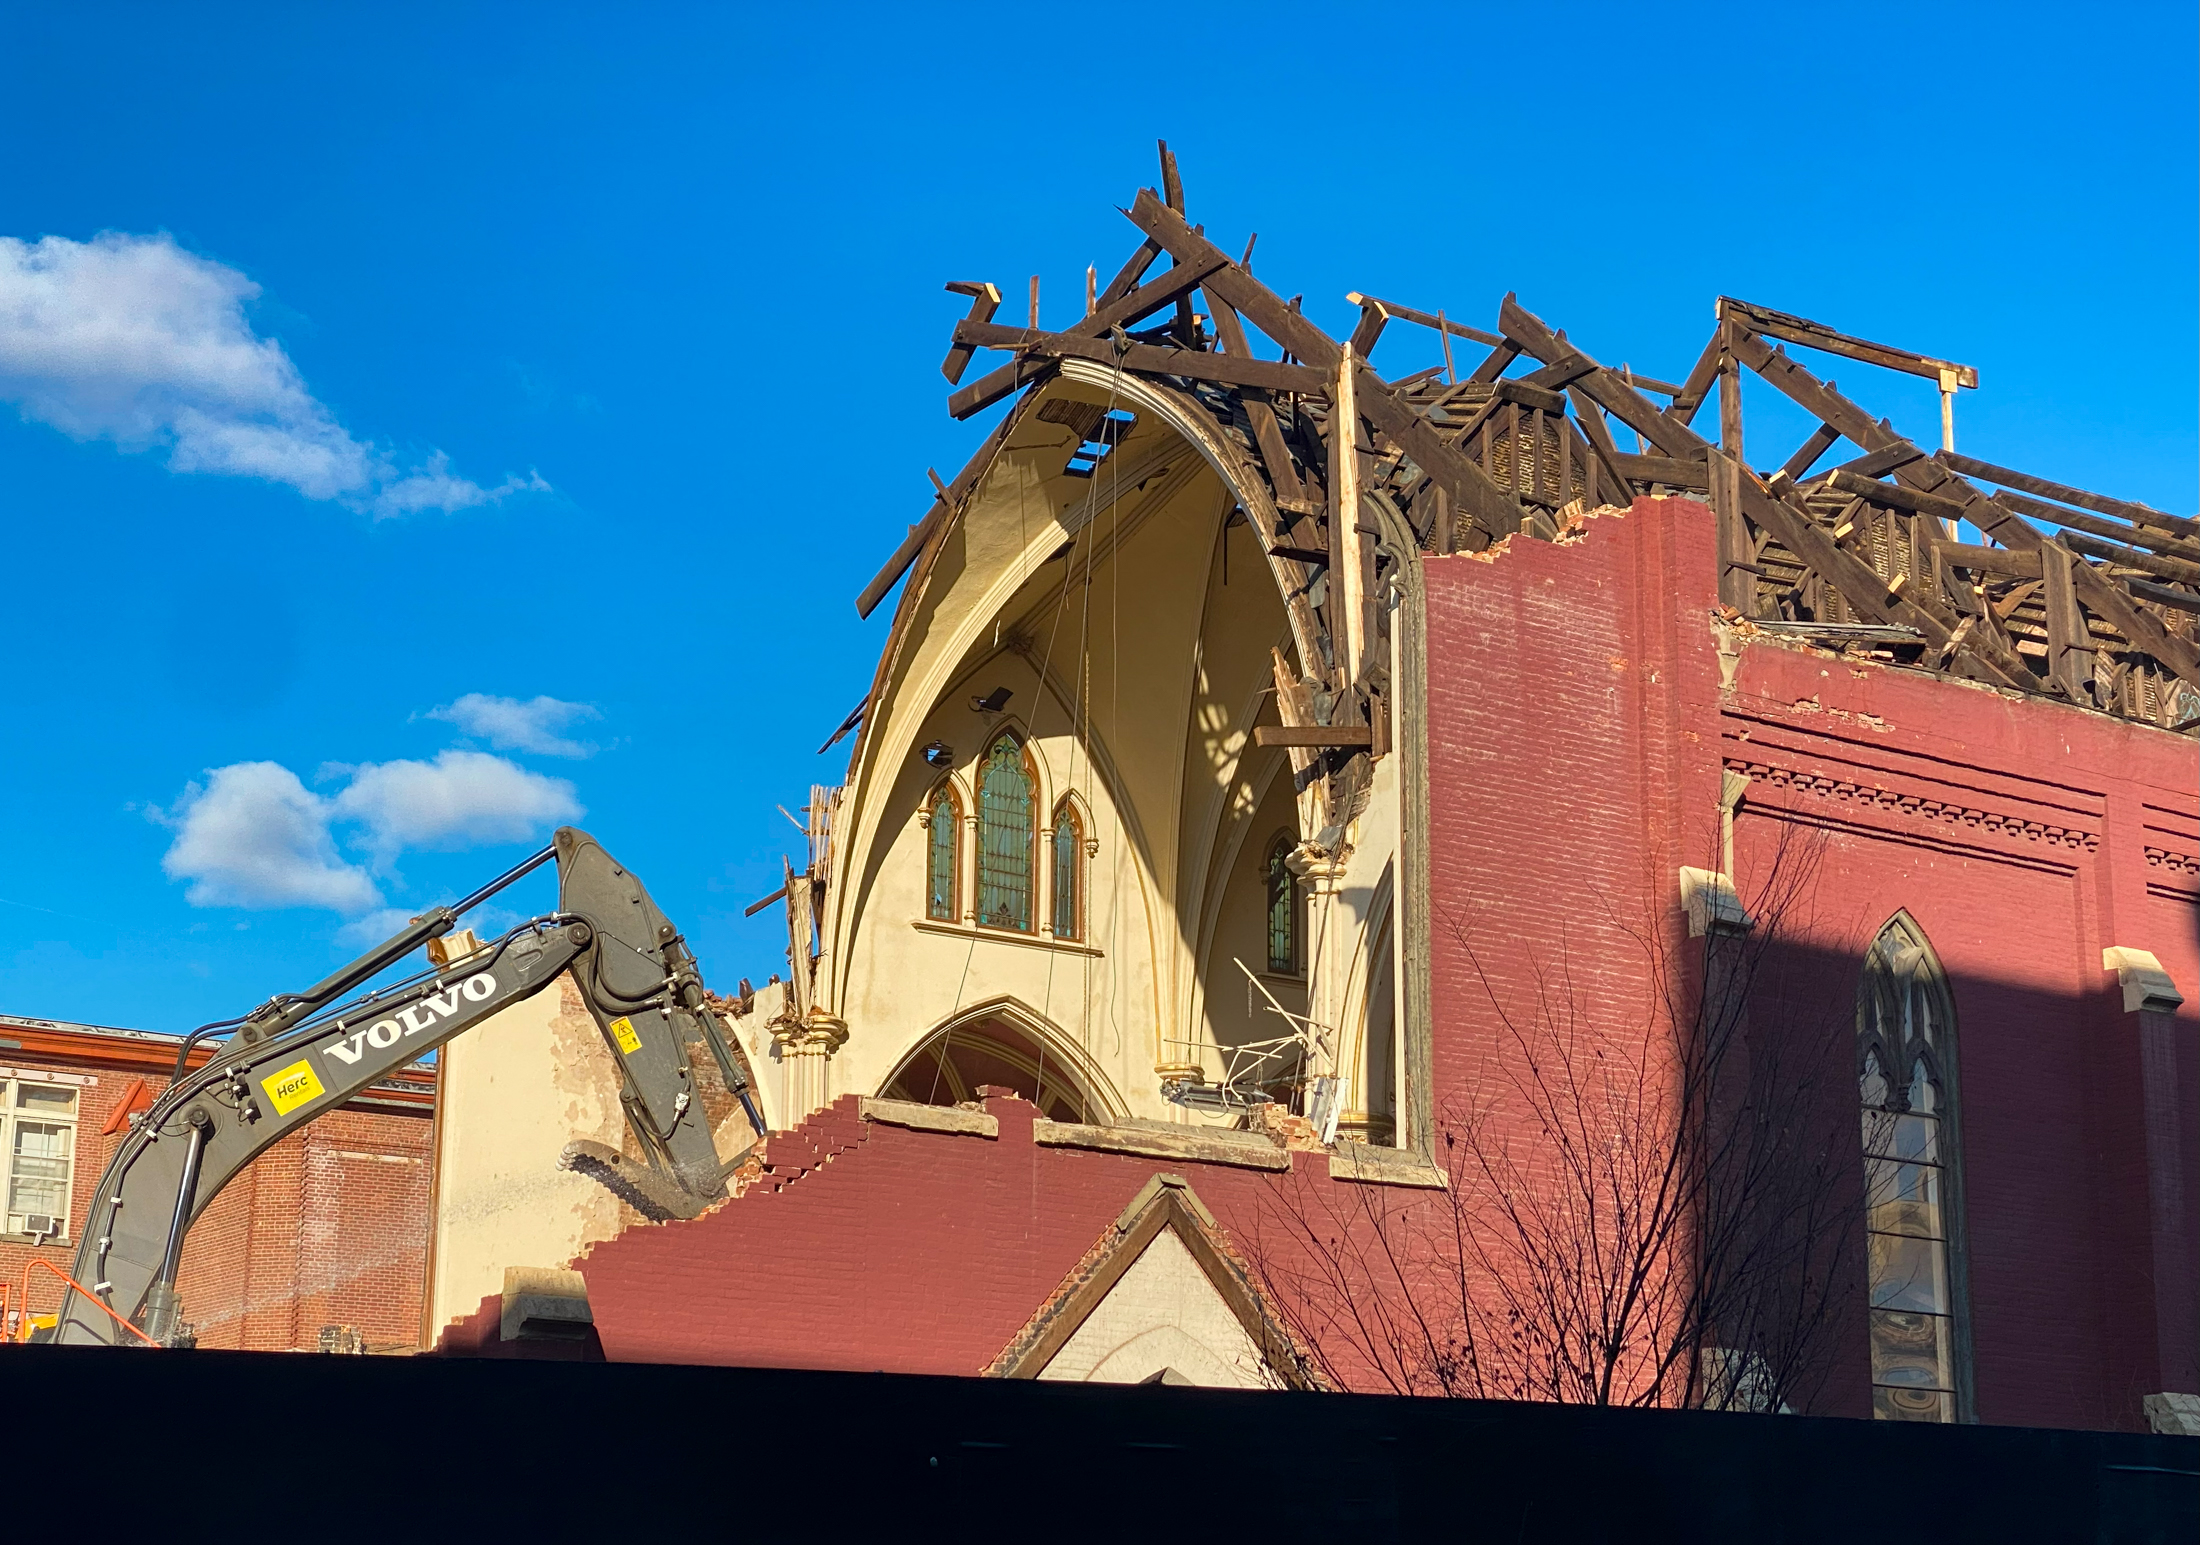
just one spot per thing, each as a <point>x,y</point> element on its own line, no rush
<point>1162,1313</point>
<point>512,1093</point>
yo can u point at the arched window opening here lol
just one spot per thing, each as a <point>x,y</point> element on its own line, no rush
<point>943,877</point>
<point>1069,873</point>
<point>1006,837</point>
<point>1283,909</point>
<point>952,1066</point>
<point>1906,1078</point>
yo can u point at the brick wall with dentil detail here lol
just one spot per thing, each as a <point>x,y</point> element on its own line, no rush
<point>1584,702</point>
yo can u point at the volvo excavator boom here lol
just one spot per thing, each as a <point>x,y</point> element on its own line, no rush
<point>301,1055</point>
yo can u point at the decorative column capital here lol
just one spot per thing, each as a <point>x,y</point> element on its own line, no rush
<point>820,1035</point>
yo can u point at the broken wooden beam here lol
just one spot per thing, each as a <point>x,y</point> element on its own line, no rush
<point>1439,322</point>
<point>2100,525</point>
<point>2163,595</point>
<point>1704,375</point>
<point>1147,358</point>
<point>1806,455</point>
<point>1669,470</point>
<point>1893,495</point>
<point>1373,318</point>
<point>1496,511</point>
<point>1816,335</point>
<point>2121,509</point>
<point>1275,456</point>
<point>1129,276</point>
<point>2069,640</point>
<point>2143,630</point>
<point>2132,558</point>
<point>1991,560</point>
<point>855,717</point>
<point>984,301</point>
<point>1601,383</point>
<point>1134,307</point>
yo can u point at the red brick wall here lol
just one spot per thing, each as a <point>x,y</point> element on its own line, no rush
<point>2035,859</point>
<point>328,1227</point>
<point>872,1247</point>
<point>1577,725</point>
<point>1579,720</point>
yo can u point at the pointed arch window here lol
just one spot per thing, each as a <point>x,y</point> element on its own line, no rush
<point>1069,873</point>
<point>1007,834</point>
<point>1906,1078</point>
<point>943,860</point>
<point>1283,908</point>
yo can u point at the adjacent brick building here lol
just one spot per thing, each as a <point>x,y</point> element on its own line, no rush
<point>321,1241</point>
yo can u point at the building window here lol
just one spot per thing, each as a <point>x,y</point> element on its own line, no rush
<point>943,887</point>
<point>38,1128</point>
<point>1906,1076</point>
<point>1283,909</point>
<point>1006,837</point>
<point>1069,864</point>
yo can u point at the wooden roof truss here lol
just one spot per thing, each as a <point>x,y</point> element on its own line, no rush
<point>2065,593</point>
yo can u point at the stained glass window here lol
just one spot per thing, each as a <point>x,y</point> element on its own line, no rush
<point>945,853</point>
<point>1283,909</point>
<point>1005,837</point>
<point>1069,845</point>
<point>1905,1076</point>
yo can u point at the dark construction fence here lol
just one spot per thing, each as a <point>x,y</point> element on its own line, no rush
<point>240,1445</point>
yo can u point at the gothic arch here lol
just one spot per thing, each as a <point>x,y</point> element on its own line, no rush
<point>1906,1071</point>
<point>1006,1040</point>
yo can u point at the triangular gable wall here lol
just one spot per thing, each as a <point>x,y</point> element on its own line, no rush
<point>1146,1293</point>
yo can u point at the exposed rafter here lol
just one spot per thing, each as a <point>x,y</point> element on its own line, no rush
<point>1926,558</point>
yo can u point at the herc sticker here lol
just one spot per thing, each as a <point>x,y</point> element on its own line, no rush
<point>291,1087</point>
<point>622,1031</point>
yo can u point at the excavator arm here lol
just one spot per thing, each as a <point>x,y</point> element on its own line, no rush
<point>302,1055</point>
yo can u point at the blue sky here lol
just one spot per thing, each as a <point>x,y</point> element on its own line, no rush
<point>422,425</point>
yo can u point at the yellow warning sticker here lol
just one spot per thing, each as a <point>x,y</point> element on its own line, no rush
<point>291,1087</point>
<point>622,1031</point>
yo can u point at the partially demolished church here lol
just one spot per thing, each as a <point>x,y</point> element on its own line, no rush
<point>1479,881</point>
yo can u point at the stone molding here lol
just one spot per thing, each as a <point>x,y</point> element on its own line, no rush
<point>2174,1414</point>
<point>1709,900</point>
<point>1852,791</point>
<point>1246,1150</point>
<point>2147,987</point>
<point>1370,1165</point>
<point>929,1118</point>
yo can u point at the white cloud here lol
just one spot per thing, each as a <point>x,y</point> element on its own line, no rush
<point>134,340</point>
<point>375,926</point>
<point>488,921</point>
<point>253,836</point>
<point>462,799</point>
<point>509,724</point>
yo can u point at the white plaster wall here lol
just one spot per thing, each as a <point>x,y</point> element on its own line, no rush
<point>512,1093</point>
<point>1162,1313</point>
<point>1342,930</point>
